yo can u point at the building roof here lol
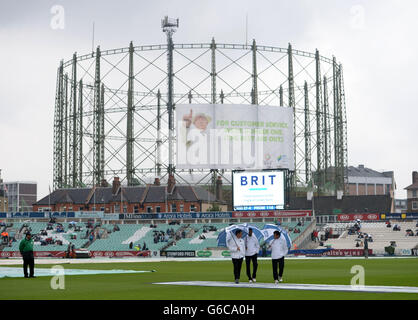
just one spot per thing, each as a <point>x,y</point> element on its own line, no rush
<point>362,171</point>
<point>76,196</point>
<point>134,194</point>
<point>413,186</point>
<point>130,194</point>
<point>155,194</point>
<point>203,194</point>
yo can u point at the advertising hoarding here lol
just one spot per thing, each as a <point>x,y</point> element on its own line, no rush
<point>220,136</point>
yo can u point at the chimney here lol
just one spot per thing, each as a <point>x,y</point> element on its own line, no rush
<point>218,190</point>
<point>157,182</point>
<point>414,177</point>
<point>115,185</point>
<point>170,183</point>
<point>361,166</point>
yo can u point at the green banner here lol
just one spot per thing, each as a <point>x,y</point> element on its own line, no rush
<point>226,253</point>
<point>205,253</point>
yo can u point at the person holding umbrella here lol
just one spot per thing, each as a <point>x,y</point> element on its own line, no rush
<point>236,247</point>
<point>26,250</point>
<point>252,247</point>
<point>279,249</point>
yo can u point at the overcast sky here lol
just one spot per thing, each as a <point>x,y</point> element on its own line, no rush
<point>375,41</point>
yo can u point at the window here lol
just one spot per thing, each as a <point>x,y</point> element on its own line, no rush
<point>192,208</point>
<point>125,209</point>
<point>181,207</point>
<point>414,193</point>
<point>101,208</point>
<point>149,209</point>
<point>136,209</point>
<point>414,205</point>
<point>158,209</point>
<point>173,207</point>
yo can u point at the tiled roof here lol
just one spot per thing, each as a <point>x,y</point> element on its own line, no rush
<point>76,196</point>
<point>203,194</point>
<point>132,194</point>
<point>412,186</point>
<point>155,194</point>
<point>364,172</point>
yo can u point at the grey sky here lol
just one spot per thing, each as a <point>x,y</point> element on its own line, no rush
<point>374,40</point>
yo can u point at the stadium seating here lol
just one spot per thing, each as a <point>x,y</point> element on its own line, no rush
<point>197,244</point>
<point>382,235</point>
<point>112,240</point>
<point>138,234</point>
<point>37,227</point>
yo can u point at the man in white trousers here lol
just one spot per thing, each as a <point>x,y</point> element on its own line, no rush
<point>278,251</point>
<point>236,246</point>
<point>252,247</point>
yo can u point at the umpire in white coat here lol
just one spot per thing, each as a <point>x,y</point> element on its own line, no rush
<point>236,246</point>
<point>252,247</point>
<point>278,251</point>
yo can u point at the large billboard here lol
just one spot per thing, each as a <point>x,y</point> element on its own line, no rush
<point>220,136</point>
<point>258,190</point>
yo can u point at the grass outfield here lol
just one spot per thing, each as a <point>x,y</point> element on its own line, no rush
<point>384,272</point>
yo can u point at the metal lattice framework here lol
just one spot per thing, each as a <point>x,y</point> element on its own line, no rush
<point>112,109</point>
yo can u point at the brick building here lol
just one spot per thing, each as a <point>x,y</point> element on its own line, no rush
<point>363,181</point>
<point>412,194</point>
<point>130,199</point>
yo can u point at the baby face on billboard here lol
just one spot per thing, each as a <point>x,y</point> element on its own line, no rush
<point>201,121</point>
